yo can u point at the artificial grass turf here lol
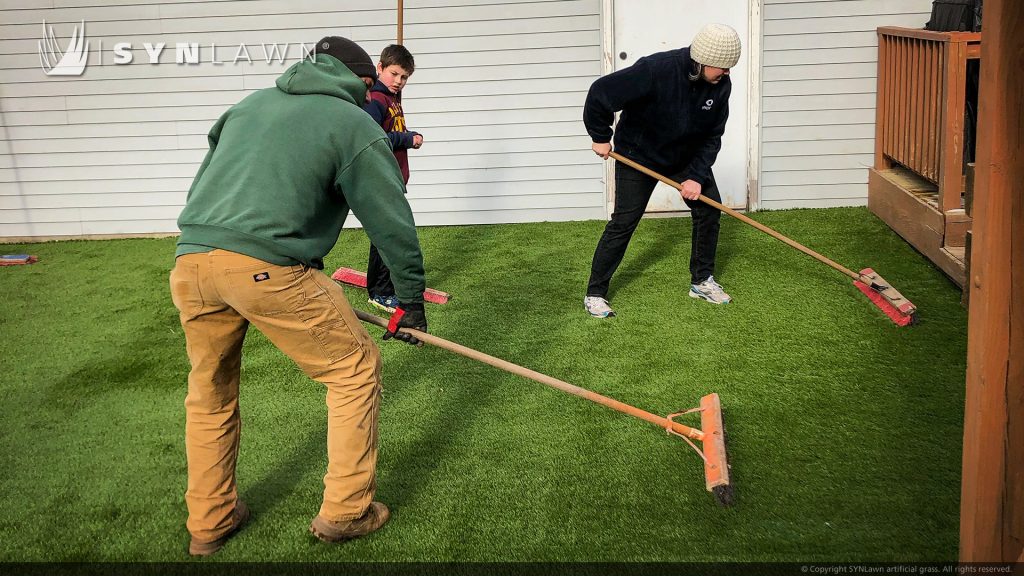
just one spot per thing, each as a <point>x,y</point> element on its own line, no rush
<point>845,430</point>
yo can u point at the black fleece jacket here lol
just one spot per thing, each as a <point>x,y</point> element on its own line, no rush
<point>668,122</point>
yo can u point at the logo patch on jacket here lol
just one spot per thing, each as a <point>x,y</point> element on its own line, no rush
<point>261,276</point>
<point>707,105</point>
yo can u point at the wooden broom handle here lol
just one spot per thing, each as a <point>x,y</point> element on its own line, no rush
<point>401,18</point>
<point>507,366</point>
<point>742,217</point>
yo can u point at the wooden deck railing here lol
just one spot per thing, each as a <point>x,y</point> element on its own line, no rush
<point>922,77</point>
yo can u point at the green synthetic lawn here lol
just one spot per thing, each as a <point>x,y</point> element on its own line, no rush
<point>844,430</point>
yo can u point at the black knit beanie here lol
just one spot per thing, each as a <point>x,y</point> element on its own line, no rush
<point>350,54</point>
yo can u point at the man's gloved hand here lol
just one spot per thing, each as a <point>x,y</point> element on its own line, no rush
<point>407,316</point>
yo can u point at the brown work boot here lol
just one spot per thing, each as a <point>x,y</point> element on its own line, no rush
<point>238,519</point>
<point>376,516</point>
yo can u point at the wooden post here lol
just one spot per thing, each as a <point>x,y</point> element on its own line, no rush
<point>965,294</point>
<point>935,71</point>
<point>882,103</point>
<point>952,146</point>
<point>992,491</point>
<point>969,190</point>
<point>401,15</point>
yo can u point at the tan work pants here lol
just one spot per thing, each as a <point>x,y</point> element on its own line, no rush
<point>306,315</point>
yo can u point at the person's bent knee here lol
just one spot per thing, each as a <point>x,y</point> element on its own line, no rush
<point>362,365</point>
<point>623,223</point>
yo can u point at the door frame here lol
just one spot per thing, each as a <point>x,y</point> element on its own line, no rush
<point>753,47</point>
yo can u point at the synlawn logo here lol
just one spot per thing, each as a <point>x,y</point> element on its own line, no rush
<point>72,60</point>
<point>68,62</point>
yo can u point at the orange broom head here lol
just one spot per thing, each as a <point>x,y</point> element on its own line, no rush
<point>888,299</point>
<point>716,464</point>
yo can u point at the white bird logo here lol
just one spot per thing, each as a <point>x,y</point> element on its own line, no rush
<point>57,62</point>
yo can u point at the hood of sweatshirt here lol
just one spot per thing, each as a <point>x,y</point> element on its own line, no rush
<point>325,75</point>
<point>379,86</point>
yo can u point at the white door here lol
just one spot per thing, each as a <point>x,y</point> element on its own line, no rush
<point>643,28</point>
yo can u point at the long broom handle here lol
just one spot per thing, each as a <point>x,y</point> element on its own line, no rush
<point>401,15</point>
<point>735,214</point>
<point>507,366</point>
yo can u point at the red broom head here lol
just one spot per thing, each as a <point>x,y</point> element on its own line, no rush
<point>358,279</point>
<point>894,314</point>
<point>349,276</point>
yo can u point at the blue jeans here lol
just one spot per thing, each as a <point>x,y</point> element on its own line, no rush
<point>632,193</point>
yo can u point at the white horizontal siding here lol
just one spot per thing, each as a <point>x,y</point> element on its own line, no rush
<point>13,194</point>
<point>813,203</point>
<point>497,94</point>
<point>819,67</point>
<point>241,29</point>
<point>821,162</point>
<point>106,195</point>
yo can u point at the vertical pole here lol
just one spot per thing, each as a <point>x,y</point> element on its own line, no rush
<point>401,9</point>
<point>912,71</point>
<point>902,123</point>
<point>607,67</point>
<point>992,487</point>
<point>882,90</point>
<point>934,71</point>
<point>952,161</point>
<point>754,42</point>
<point>887,58</point>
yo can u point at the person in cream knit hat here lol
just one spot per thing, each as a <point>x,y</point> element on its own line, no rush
<point>674,107</point>
<point>716,45</point>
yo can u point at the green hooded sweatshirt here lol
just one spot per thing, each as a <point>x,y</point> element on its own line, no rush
<point>286,165</point>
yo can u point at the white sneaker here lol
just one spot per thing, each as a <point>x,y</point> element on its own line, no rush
<point>598,307</point>
<point>711,291</point>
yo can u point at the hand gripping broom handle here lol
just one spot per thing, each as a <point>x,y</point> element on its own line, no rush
<point>739,216</point>
<point>664,423</point>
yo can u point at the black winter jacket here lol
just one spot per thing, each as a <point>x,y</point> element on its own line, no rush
<point>668,122</point>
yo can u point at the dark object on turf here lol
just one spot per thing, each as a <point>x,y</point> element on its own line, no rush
<point>888,299</point>
<point>711,434</point>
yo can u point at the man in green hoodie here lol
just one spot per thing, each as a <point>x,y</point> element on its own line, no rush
<point>285,166</point>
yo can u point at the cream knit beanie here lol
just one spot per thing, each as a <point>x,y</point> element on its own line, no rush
<point>716,45</point>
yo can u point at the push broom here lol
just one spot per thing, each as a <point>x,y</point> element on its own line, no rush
<point>358,279</point>
<point>885,297</point>
<point>711,434</point>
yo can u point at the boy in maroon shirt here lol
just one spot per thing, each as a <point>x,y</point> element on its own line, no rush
<point>385,106</point>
